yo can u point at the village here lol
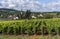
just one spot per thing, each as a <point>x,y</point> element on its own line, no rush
<point>17,15</point>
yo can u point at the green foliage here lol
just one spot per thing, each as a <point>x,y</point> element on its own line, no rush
<point>28,14</point>
<point>30,27</point>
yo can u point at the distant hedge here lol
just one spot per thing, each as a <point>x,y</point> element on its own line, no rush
<point>30,27</point>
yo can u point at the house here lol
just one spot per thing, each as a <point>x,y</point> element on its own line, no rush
<point>10,16</point>
<point>40,15</point>
<point>34,17</point>
<point>15,18</point>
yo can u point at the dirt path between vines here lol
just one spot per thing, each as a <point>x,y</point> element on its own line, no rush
<point>30,37</point>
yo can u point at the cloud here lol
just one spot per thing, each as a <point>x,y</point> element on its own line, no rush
<point>53,6</point>
<point>33,5</point>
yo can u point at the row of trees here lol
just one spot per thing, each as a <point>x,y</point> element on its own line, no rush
<point>20,14</point>
<point>27,14</point>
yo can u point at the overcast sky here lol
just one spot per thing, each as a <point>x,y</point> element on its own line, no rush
<point>33,5</point>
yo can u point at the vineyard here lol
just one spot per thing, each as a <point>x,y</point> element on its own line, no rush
<point>30,27</point>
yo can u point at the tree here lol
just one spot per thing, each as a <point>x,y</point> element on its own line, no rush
<point>28,14</point>
<point>47,16</point>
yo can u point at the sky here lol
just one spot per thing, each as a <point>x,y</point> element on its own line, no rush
<point>33,5</point>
